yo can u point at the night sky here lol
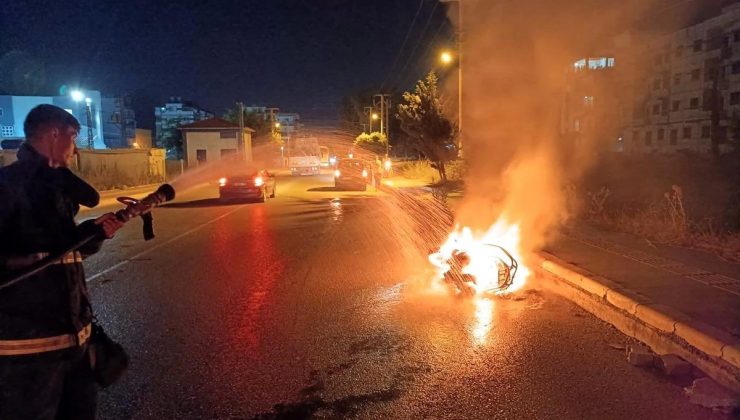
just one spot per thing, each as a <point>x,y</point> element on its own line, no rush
<point>299,55</point>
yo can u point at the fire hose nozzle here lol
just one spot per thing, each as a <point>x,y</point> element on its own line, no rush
<point>144,207</point>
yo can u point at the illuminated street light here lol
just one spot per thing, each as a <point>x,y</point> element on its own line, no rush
<point>375,116</point>
<point>77,95</point>
<point>277,125</point>
<point>445,57</point>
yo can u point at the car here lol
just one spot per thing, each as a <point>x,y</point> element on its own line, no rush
<point>352,174</point>
<point>256,185</point>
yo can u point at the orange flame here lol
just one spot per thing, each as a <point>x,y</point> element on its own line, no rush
<point>486,251</point>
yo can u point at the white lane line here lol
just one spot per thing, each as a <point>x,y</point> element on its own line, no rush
<point>148,250</point>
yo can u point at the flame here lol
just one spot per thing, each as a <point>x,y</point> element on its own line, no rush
<point>485,250</point>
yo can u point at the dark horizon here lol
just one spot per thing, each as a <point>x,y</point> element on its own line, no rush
<point>300,56</point>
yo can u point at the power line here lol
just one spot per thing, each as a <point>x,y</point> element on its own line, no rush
<point>405,40</point>
<point>416,46</point>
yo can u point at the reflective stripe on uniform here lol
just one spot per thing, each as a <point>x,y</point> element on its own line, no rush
<point>41,345</point>
<point>15,263</point>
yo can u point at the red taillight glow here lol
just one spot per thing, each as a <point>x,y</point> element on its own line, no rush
<point>258,181</point>
<point>222,182</point>
<point>337,173</point>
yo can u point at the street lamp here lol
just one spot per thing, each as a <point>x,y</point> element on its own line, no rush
<point>447,59</point>
<point>78,96</point>
<point>277,125</point>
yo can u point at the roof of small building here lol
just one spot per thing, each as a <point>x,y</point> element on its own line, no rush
<point>212,124</point>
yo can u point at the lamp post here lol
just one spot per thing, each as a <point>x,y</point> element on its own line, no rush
<point>446,58</point>
<point>78,96</point>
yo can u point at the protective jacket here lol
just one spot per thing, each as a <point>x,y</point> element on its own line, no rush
<point>37,209</point>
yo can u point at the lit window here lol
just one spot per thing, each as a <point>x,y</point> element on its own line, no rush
<point>8,131</point>
<point>588,100</point>
<point>579,65</point>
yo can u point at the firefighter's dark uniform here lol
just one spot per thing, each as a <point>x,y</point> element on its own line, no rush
<point>45,319</point>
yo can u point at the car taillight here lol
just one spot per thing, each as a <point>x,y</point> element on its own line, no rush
<point>364,173</point>
<point>222,182</point>
<point>337,173</point>
<point>258,181</point>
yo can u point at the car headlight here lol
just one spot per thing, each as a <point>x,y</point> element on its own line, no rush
<point>258,181</point>
<point>222,182</point>
<point>337,173</point>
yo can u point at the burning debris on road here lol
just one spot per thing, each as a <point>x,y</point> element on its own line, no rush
<point>477,266</point>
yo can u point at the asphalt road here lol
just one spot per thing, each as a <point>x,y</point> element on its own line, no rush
<point>312,304</point>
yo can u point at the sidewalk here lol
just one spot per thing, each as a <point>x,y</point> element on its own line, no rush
<point>676,300</point>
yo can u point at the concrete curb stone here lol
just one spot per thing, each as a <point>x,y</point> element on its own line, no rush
<point>717,346</point>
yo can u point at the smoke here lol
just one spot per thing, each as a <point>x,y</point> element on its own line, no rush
<point>516,54</point>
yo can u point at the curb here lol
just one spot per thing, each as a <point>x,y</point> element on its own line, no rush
<point>661,327</point>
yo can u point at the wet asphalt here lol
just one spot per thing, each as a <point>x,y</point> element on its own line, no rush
<point>312,306</point>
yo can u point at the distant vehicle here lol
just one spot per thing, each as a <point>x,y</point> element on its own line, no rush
<point>251,186</point>
<point>304,156</point>
<point>352,174</point>
<point>326,156</point>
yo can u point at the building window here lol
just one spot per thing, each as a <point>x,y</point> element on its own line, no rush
<point>694,103</point>
<point>675,105</point>
<point>201,156</point>
<point>698,45</point>
<point>656,109</point>
<point>588,101</point>
<point>706,131</point>
<point>736,67</point>
<point>736,36</point>
<point>226,153</point>
<point>635,136</point>
<point>227,134</point>
<point>674,136</point>
<point>687,132</point>
<point>674,142</point>
<point>695,74</point>
<point>8,131</point>
<point>648,138</point>
<point>577,125</point>
<point>735,98</point>
<point>661,134</point>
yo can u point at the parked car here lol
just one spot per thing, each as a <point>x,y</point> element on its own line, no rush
<point>352,174</point>
<point>252,186</point>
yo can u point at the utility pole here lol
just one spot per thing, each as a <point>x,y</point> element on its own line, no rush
<point>384,100</point>
<point>88,115</point>
<point>240,146</point>
<point>369,112</point>
<point>459,39</point>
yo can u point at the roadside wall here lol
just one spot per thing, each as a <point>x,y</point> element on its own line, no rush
<point>113,168</point>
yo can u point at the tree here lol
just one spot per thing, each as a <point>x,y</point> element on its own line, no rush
<point>170,138</point>
<point>374,142</point>
<point>263,129</point>
<point>423,120</point>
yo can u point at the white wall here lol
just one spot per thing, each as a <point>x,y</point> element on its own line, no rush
<point>212,143</point>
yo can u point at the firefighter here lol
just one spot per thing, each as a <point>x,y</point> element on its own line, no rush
<point>45,320</point>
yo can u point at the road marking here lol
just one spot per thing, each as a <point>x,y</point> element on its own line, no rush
<point>148,250</point>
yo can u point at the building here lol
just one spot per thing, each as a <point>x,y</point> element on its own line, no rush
<point>173,114</point>
<point>119,122</point>
<point>143,139</point>
<point>290,124</point>
<point>687,94</point>
<point>214,139</point>
<point>593,101</point>
<point>87,110</point>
